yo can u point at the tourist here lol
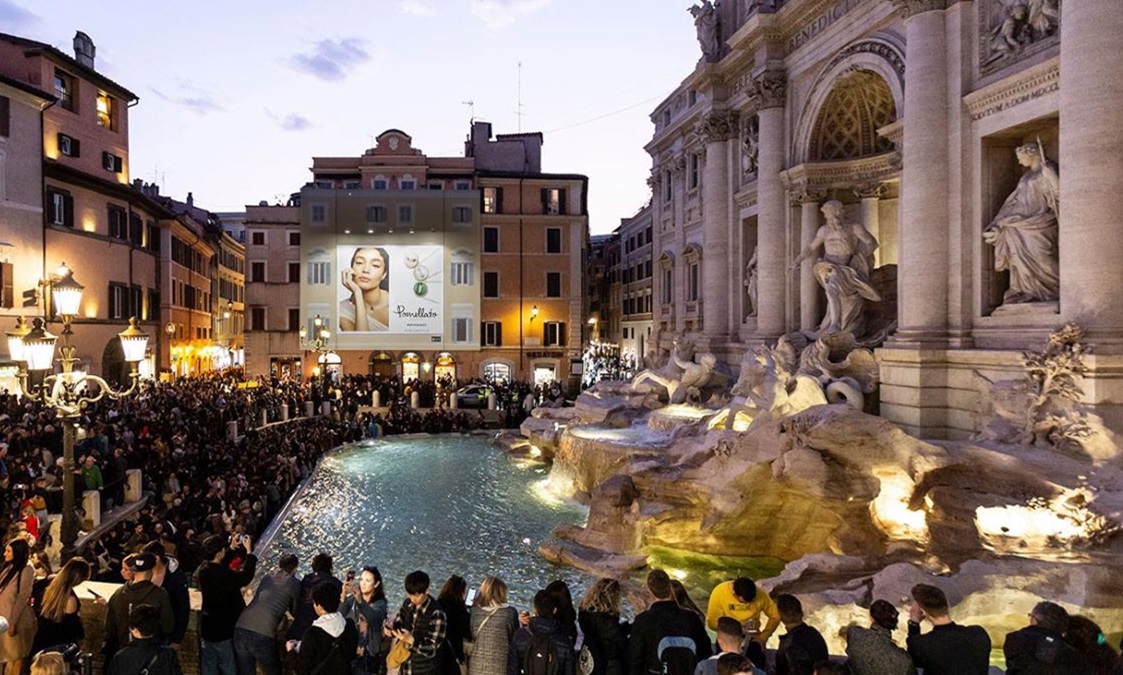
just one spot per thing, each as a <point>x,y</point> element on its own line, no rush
<point>872,650</point>
<point>541,646</point>
<point>169,577</point>
<point>735,664</point>
<point>255,642</point>
<point>801,646</point>
<point>16,579</point>
<point>60,620</point>
<point>742,600</point>
<point>947,649</point>
<point>145,652</point>
<point>730,640</point>
<point>365,604</point>
<point>221,587</point>
<point>1040,647</point>
<point>139,590</point>
<point>606,636</point>
<point>682,597</point>
<point>832,668</point>
<point>49,663</point>
<point>453,600</point>
<point>566,614</point>
<point>494,623</point>
<point>1088,639</point>
<point>664,618</point>
<point>330,643</point>
<point>322,564</point>
<point>421,624</point>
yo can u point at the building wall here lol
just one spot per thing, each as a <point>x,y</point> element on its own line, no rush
<point>275,296</point>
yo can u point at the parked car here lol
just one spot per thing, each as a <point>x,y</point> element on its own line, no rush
<point>473,396</point>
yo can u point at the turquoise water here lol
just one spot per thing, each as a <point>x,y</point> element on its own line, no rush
<point>442,504</point>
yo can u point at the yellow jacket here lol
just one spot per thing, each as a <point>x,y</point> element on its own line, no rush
<point>724,603</point>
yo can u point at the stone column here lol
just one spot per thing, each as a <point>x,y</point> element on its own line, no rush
<point>1091,168</point>
<point>715,130</point>
<point>871,220</point>
<point>923,240</point>
<point>769,96</point>
<point>810,314</point>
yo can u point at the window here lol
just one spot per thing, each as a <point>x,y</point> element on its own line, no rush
<point>319,273</point>
<point>7,293</point>
<point>294,273</point>
<point>125,301</point>
<point>553,240</point>
<point>60,208</point>
<point>319,213</point>
<point>554,333</point>
<point>379,184</point>
<point>462,273</point>
<point>497,372</point>
<point>493,200</point>
<point>553,285</point>
<point>257,238</point>
<point>692,290</point>
<point>257,318</point>
<point>407,184</point>
<point>491,284</point>
<point>463,185</point>
<point>492,334</point>
<point>376,214</point>
<point>352,185</point>
<point>153,304</point>
<point>461,214</point>
<point>553,201</point>
<point>118,222</point>
<point>106,111</point>
<point>647,269</point>
<point>294,318</point>
<point>111,162</point>
<point>405,214</point>
<point>294,239</point>
<point>491,240</point>
<point>136,230</point>
<point>69,146</point>
<point>668,189</point>
<point>461,329</point>
<point>694,171</point>
<point>64,90</point>
<point>436,185</point>
<point>668,287</point>
<point>323,184</point>
<point>257,271</point>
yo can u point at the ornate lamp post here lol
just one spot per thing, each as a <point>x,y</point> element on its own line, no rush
<point>319,344</point>
<point>68,392</point>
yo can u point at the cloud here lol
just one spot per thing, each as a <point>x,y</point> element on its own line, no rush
<point>500,13</point>
<point>14,18</point>
<point>291,121</point>
<point>193,98</point>
<point>416,8</point>
<point>330,59</point>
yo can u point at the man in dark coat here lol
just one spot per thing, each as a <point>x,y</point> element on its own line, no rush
<point>145,651</point>
<point>221,588</point>
<point>663,619</point>
<point>948,649</point>
<point>802,646</point>
<point>330,643</point>
<point>1040,647</point>
<point>139,590</point>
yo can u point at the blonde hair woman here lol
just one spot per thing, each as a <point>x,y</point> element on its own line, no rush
<point>59,619</point>
<point>48,663</point>
<point>493,624</point>
<point>605,636</point>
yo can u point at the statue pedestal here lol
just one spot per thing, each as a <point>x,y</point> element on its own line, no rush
<point>1028,309</point>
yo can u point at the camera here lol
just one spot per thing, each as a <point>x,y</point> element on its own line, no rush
<point>77,661</point>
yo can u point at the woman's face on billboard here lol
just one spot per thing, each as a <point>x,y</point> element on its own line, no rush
<point>368,268</point>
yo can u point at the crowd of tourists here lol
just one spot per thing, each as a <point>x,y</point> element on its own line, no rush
<point>605,361</point>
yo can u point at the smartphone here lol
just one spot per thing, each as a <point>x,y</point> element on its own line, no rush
<point>471,597</point>
<point>350,575</point>
<point>93,593</point>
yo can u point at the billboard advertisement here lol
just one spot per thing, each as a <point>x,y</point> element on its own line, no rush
<point>391,290</point>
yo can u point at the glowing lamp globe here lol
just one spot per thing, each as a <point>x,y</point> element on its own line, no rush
<point>134,342</point>
<point>15,340</point>
<point>39,348</point>
<point>67,294</point>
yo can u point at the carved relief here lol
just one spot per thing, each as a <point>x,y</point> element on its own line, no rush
<point>770,90</point>
<point>750,146</point>
<point>719,125</point>
<point>1014,29</point>
<point>911,7</point>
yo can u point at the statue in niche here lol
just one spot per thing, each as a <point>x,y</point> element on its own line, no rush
<point>706,23</point>
<point>751,283</point>
<point>1024,233</point>
<point>750,142</point>
<point>843,270</point>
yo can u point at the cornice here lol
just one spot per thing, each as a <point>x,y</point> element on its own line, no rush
<point>1031,83</point>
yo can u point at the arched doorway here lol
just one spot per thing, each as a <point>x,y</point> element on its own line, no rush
<point>113,367</point>
<point>381,364</point>
<point>445,367</point>
<point>331,365</point>
<point>411,366</point>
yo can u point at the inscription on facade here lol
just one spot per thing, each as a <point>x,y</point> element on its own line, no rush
<point>821,23</point>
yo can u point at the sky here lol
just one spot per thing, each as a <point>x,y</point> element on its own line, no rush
<point>236,97</point>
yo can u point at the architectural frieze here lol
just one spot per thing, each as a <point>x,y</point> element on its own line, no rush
<point>770,90</point>
<point>717,126</point>
<point>846,174</point>
<point>913,7</point>
<point>1030,84</point>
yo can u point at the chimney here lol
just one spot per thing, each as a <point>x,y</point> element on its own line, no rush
<point>190,199</point>
<point>84,50</point>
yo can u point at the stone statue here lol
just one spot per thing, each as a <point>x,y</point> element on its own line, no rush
<point>706,23</point>
<point>1024,233</point>
<point>843,270</point>
<point>750,142</point>
<point>683,376</point>
<point>750,283</point>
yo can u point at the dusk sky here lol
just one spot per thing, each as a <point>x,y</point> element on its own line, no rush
<point>236,97</point>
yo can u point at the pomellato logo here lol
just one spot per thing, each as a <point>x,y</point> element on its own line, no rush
<point>417,313</point>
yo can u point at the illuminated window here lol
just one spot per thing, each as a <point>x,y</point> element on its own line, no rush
<point>60,208</point>
<point>106,111</point>
<point>497,372</point>
<point>69,146</point>
<point>111,162</point>
<point>553,201</point>
<point>64,90</point>
<point>493,199</point>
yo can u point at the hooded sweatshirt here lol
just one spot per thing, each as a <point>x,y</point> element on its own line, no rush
<point>331,640</point>
<point>125,598</point>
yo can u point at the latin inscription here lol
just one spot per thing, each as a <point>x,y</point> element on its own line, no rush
<point>822,22</point>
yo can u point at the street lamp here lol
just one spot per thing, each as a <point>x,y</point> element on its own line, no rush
<point>319,344</point>
<point>68,392</point>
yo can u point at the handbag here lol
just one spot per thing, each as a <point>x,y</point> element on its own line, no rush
<point>470,645</point>
<point>399,654</point>
<point>585,664</point>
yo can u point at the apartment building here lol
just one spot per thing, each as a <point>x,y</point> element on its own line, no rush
<point>634,273</point>
<point>272,242</point>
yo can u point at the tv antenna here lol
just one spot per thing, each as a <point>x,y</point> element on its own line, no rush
<point>519,108</point>
<point>471,111</point>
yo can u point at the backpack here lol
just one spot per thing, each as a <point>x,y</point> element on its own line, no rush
<point>678,655</point>
<point>540,656</point>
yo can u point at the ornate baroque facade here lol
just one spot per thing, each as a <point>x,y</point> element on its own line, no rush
<point>910,113</point>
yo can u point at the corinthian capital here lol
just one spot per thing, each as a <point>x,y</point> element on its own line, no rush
<point>913,7</point>
<point>770,90</point>
<point>717,126</point>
